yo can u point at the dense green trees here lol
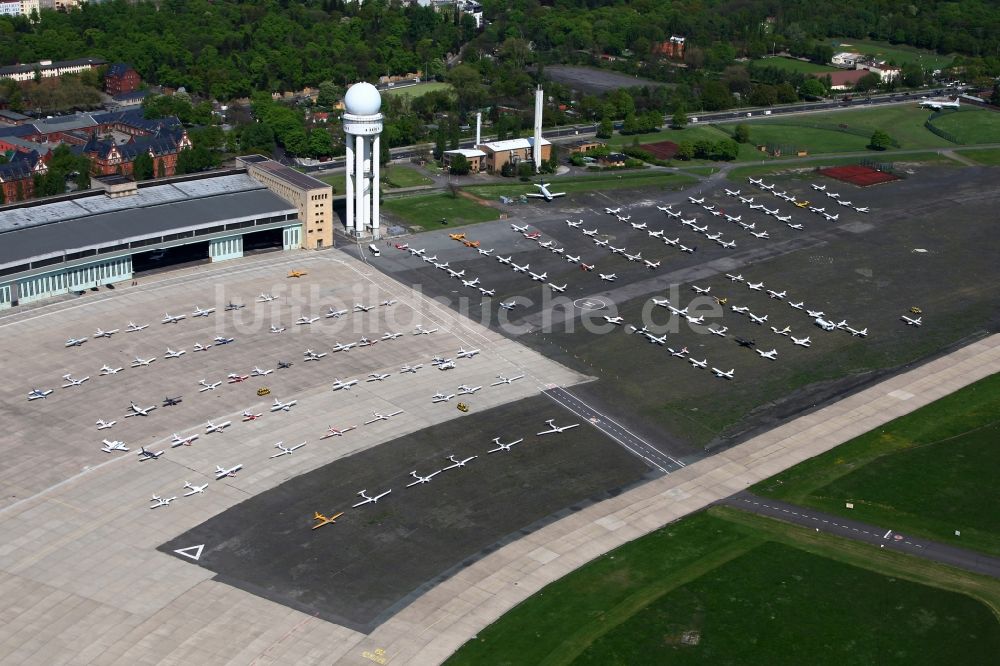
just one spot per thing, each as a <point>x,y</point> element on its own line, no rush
<point>880,141</point>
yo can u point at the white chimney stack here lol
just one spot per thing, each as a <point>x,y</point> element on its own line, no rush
<point>479,129</point>
<point>536,149</point>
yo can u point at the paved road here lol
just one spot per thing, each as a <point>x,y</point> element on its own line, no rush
<point>637,445</point>
<point>867,533</point>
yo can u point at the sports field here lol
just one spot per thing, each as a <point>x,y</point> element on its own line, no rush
<point>795,65</point>
<point>427,211</point>
<point>930,473</point>
<point>970,126</point>
<point>898,53</point>
<point>418,89</point>
<point>723,587</point>
<point>397,175</point>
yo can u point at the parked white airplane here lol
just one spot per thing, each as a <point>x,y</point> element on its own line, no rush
<point>205,386</point>
<point>746,200</point>
<point>505,447</point>
<point>723,375</point>
<point>422,479</point>
<point>798,306</point>
<point>456,274</point>
<point>674,213</point>
<point>779,295</point>
<point>739,309</point>
<point>305,321</point>
<point>734,218</point>
<point>334,313</point>
<point>250,416</point>
<point>861,209</point>
<point>145,455</point>
<point>337,432</point>
<point>506,380</point>
<point>815,313</point>
<point>279,406</point>
<point>193,489</point>
<point>99,333</point>
<point>818,188</point>
<point>844,202</point>
<point>108,370</point>
<point>758,181</point>
<point>411,368</point>
<point>222,340</point>
<point>609,278</point>
<point>133,327</point>
<point>539,277</point>
<point>286,450</point>
<point>732,193</point>
<point>638,225</point>
<point>442,397</point>
<point>377,377</point>
<point>655,234</point>
<point>464,353</point>
<point>696,320</point>
<point>390,336</point>
<point>727,244</point>
<point>553,428</point>
<point>310,355</point>
<point>590,232</point>
<point>76,342</point>
<point>509,305</point>
<point>783,218</point>
<point>721,332</point>
<point>142,362</point>
<point>198,312</point>
<point>265,297</point>
<point>376,416</point>
<point>417,253</point>
<point>557,288</point>
<point>600,243</point>
<point>485,253</point>
<point>757,320</point>
<point>487,292</point>
<point>755,286</point>
<point>341,385</point>
<point>177,440</point>
<point>679,353</point>
<point>36,394</point>
<point>518,229</point>
<point>111,446</point>
<point>367,499</point>
<point>617,250</point>
<point>833,195</point>
<point>761,234</point>
<point>700,290</point>
<point>771,355</point>
<point>612,211</point>
<point>457,463</point>
<point>161,501</point>
<point>831,218</point>
<point>520,269</point>
<point>546,244</point>
<point>783,331</point>
<point>173,354</point>
<point>198,347</point>
<point>696,201</point>
<point>651,264</point>
<point>358,307</point>
<point>464,389</point>
<point>171,319</point>
<point>803,342</point>
<point>735,278</point>
<point>341,346</point>
<point>698,364</point>
<point>211,427</point>
<point>817,210</point>
<point>139,411</point>
<point>700,230</point>
<point>617,321</point>
<point>103,425</point>
<point>221,472</point>
<point>472,284</point>
<point>257,372</point>
<point>544,193</point>
<point>685,248</point>
<point>505,260</point>
<point>858,333</point>
<point>913,322</point>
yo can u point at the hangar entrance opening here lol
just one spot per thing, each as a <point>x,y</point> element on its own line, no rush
<point>172,257</point>
<point>263,241</point>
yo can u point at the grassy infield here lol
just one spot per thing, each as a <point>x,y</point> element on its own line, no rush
<point>753,590</point>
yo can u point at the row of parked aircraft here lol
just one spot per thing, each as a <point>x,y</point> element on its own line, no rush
<point>418,479</point>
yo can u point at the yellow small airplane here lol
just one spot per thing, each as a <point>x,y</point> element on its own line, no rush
<point>801,204</point>
<point>721,301</point>
<point>462,407</point>
<point>457,237</point>
<point>470,243</point>
<point>296,274</point>
<point>324,520</point>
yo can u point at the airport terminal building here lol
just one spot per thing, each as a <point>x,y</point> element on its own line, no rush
<point>108,235</point>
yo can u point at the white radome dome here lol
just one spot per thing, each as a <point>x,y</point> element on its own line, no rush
<point>363,99</point>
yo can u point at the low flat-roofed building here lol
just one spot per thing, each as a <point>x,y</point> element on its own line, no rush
<point>312,197</point>
<point>499,153</point>
<point>585,146</point>
<point>474,156</point>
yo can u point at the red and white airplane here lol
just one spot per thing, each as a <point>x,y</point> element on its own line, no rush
<point>337,432</point>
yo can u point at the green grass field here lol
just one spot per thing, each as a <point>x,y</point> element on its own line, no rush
<point>726,587</point>
<point>929,473</point>
<point>794,65</point>
<point>396,175</point>
<point>427,210</point>
<point>418,89</point>
<point>849,130</point>
<point>336,182</point>
<point>986,157</point>
<point>971,126</point>
<point>693,132</point>
<point>599,181</point>
<point>900,53</point>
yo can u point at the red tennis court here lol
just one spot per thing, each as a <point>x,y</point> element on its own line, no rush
<point>661,150</point>
<point>859,175</point>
